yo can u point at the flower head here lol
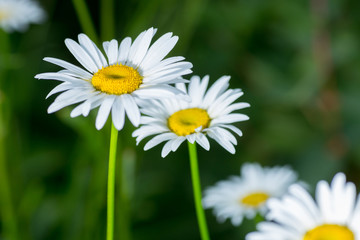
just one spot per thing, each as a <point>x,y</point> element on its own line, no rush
<point>131,72</point>
<point>246,195</point>
<point>16,15</point>
<point>334,216</point>
<point>207,114</point>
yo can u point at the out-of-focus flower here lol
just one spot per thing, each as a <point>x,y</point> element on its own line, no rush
<point>246,195</point>
<point>208,114</point>
<point>16,15</point>
<point>334,216</point>
<point>132,71</point>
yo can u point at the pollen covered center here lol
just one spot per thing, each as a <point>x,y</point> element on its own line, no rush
<point>184,122</point>
<point>330,232</point>
<point>117,79</point>
<point>254,200</point>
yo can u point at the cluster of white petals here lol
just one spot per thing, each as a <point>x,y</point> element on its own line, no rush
<point>336,208</point>
<point>16,15</point>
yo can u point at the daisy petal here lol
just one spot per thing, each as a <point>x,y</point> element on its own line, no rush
<point>158,139</point>
<point>104,111</point>
<point>81,55</point>
<point>118,114</point>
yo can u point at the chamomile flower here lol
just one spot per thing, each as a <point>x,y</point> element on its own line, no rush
<point>132,71</point>
<point>16,15</point>
<point>335,215</point>
<point>246,195</point>
<point>208,114</point>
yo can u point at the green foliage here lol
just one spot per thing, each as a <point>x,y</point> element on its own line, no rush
<point>296,61</point>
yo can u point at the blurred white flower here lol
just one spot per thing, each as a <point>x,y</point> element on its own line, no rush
<point>16,15</point>
<point>132,71</point>
<point>334,216</point>
<point>247,194</point>
<point>207,114</point>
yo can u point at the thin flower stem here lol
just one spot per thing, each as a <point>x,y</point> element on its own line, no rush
<point>107,19</point>
<point>85,19</point>
<point>197,191</point>
<point>111,184</point>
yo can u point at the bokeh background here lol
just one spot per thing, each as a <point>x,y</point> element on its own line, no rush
<point>297,62</point>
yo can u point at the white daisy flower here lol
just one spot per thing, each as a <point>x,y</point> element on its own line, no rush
<point>16,15</point>
<point>245,196</point>
<point>207,114</point>
<point>335,215</point>
<point>132,71</point>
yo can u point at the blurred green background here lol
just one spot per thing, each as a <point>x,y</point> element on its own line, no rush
<point>297,62</point>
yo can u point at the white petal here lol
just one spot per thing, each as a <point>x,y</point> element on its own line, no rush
<point>84,107</point>
<point>131,108</point>
<point>224,100</point>
<point>232,107</point>
<point>323,198</point>
<point>118,114</point>
<point>166,75</point>
<point>175,143</point>
<point>81,55</point>
<point>72,94</point>
<point>226,135</point>
<point>159,50</point>
<point>112,52</point>
<point>217,88</point>
<point>203,141</point>
<point>60,88</point>
<point>59,77</point>
<point>196,89</point>
<point>230,118</point>
<point>104,111</point>
<point>232,128</point>
<point>92,103</point>
<point>134,47</point>
<point>298,191</point>
<point>57,105</point>
<point>166,63</point>
<point>191,138</point>
<point>355,219</point>
<point>75,69</point>
<point>93,51</point>
<point>159,139</point>
<point>160,91</point>
<point>141,50</point>
<point>166,149</point>
<point>224,143</point>
<point>124,49</point>
<point>145,131</point>
<point>106,47</point>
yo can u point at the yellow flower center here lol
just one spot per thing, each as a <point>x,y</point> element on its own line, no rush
<point>184,122</point>
<point>117,79</point>
<point>3,14</point>
<point>329,232</point>
<point>254,199</point>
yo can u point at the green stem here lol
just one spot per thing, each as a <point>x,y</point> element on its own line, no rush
<point>111,184</point>
<point>107,17</point>
<point>85,19</point>
<point>197,191</point>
